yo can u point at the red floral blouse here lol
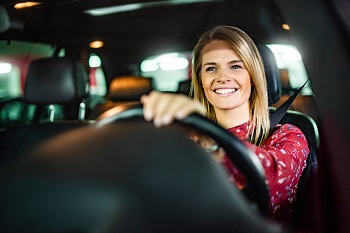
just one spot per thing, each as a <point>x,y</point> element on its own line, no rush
<point>283,156</point>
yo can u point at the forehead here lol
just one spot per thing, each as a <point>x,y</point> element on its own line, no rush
<point>219,49</point>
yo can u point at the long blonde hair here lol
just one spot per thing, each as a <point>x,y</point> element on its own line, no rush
<point>246,49</point>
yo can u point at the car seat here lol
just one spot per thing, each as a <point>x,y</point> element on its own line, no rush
<point>57,80</point>
<point>49,81</point>
<point>123,89</point>
<point>307,213</point>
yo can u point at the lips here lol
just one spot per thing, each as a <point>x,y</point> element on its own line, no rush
<point>225,91</point>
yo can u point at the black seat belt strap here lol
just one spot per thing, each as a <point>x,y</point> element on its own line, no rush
<point>276,116</point>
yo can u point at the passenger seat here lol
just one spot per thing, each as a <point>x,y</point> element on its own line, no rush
<point>49,81</point>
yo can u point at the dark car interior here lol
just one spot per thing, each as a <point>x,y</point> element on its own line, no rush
<point>85,164</point>
<point>128,90</point>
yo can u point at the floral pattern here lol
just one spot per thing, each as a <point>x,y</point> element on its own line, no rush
<point>283,156</point>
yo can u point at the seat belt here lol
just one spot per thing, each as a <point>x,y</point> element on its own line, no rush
<point>276,116</point>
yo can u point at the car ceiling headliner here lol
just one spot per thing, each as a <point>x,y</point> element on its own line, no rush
<point>134,35</point>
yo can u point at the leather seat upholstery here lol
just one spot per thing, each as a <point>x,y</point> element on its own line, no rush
<point>54,80</point>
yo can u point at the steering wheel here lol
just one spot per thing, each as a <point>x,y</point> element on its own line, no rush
<point>248,163</point>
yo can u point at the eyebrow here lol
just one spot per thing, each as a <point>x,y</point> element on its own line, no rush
<point>214,63</point>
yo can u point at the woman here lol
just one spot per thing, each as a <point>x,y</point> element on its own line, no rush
<point>229,87</point>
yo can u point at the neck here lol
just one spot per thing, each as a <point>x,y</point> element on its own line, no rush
<point>232,117</point>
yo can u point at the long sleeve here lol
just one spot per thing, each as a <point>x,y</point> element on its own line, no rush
<point>283,156</point>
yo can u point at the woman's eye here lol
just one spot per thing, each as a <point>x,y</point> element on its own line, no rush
<point>210,69</point>
<point>236,67</point>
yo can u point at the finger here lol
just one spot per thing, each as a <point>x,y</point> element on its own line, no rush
<point>155,107</point>
<point>164,108</point>
<point>175,103</point>
<point>189,108</point>
<point>148,103</point>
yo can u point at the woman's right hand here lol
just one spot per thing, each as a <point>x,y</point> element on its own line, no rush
<point>164,108</point>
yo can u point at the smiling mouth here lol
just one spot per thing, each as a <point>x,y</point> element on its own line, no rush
<point>225,91</point>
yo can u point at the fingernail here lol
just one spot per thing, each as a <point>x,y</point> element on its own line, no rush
<point>166,119</point>
<point>147,115</point>
<point>157,122</point>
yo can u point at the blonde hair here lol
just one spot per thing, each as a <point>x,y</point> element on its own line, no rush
<point>246,49</point>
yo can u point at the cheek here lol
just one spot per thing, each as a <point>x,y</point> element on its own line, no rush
<point>206,86</point>
<point>206,82</point>
<point>246,82</point>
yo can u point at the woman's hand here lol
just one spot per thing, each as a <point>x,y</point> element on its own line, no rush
<point>163,108</point>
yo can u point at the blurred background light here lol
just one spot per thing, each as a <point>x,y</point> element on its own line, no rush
<point>169,61</point>
<point>94,61</point>
<point>22,5</point>
<point>5,68</point>
<point>96,44</point>
<point>286,27</point>
<point>149,66</point>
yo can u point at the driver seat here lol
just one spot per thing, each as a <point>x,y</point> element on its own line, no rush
<point>306,213</point>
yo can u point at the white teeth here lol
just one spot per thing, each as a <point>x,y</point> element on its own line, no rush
<point>224,91</point>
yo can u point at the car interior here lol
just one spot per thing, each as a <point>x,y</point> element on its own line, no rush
<point>71,89</point>
<point>77,156</point>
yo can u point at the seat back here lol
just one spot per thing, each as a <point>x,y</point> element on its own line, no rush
<point>54,80</point>
<point>306,213</point>
<point>122,90</point>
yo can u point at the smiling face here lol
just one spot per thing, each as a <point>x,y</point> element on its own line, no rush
<point>226,82</point>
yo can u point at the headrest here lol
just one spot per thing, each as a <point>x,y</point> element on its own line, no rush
<point>272,74</point>
<point>129,88</point>
<point>55,80</point>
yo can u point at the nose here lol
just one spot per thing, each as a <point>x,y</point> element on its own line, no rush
<point>223,77</point>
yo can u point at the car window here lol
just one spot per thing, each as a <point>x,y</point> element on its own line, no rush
<point>292,70</point>
<point>98,86</point>
<point>15,57</point>
<point>167,70</point>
